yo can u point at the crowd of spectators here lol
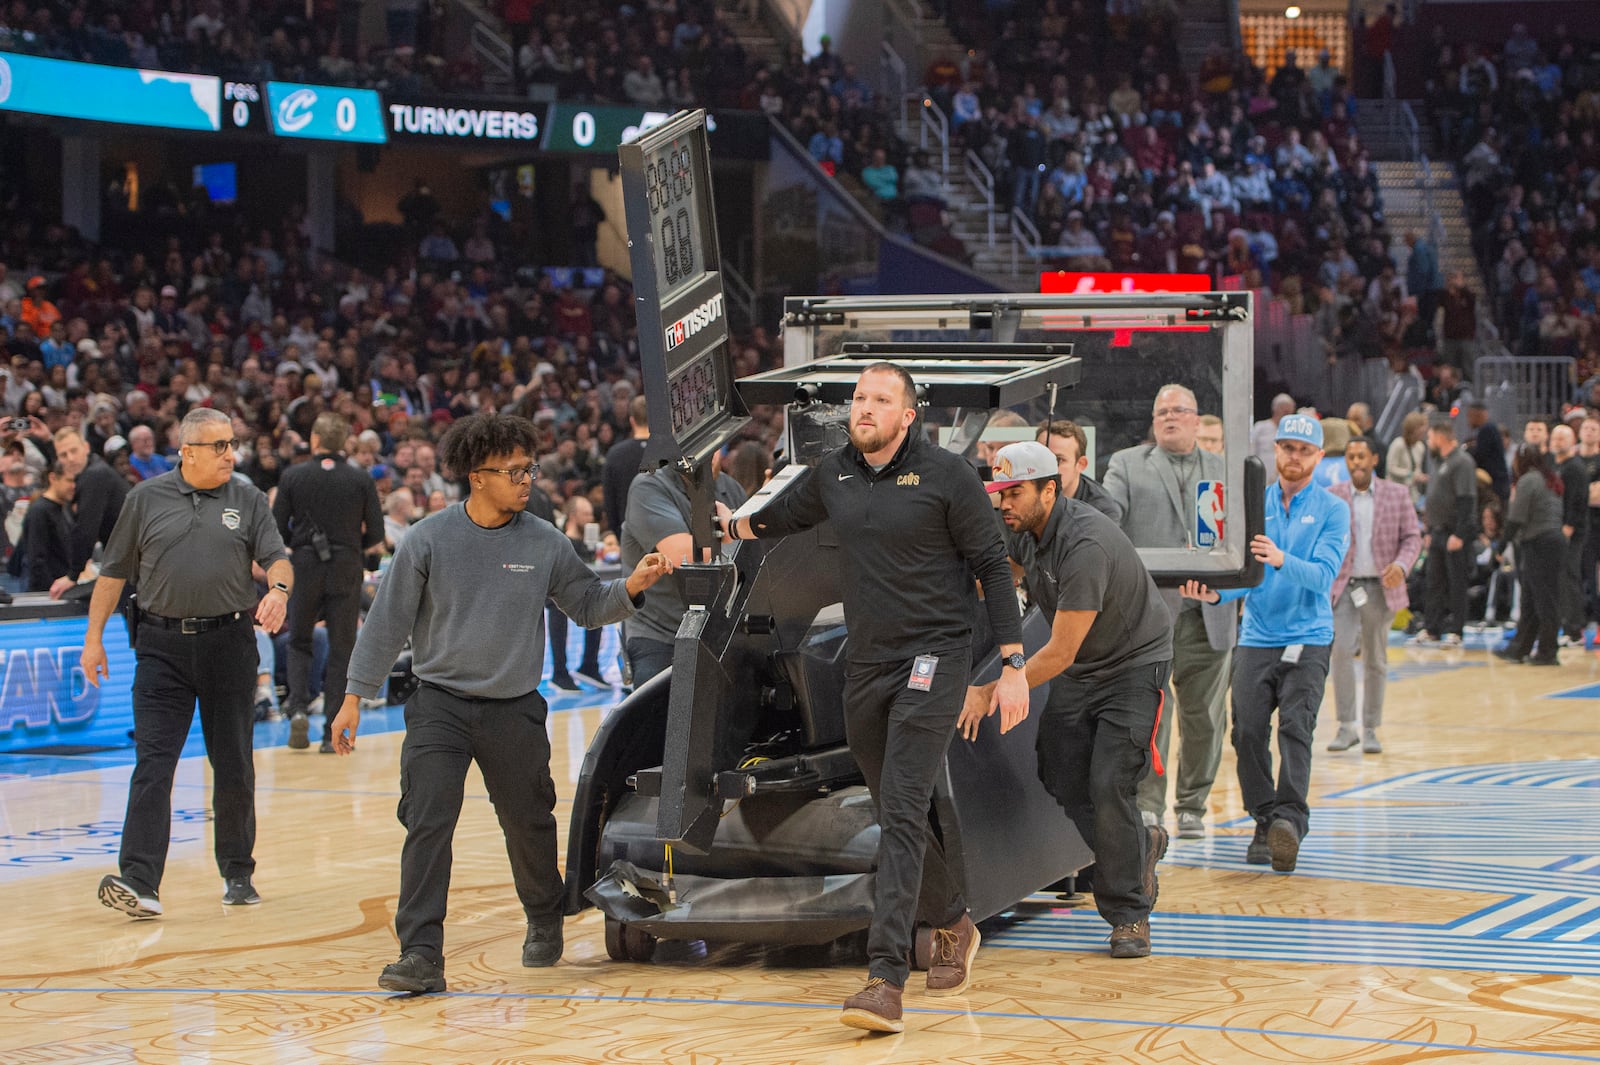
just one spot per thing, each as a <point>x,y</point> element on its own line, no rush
<point>122,342</point>
<point>1522,118</point>
<point>654,55</point>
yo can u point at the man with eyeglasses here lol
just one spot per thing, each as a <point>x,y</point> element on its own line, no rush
<point>468,586</point>
<point>186,539</point>
<point>1157,487</point>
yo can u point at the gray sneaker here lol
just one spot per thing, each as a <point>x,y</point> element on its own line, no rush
<point>1369,742</point>
<point>1346,739</point>
<point>1191,826</point>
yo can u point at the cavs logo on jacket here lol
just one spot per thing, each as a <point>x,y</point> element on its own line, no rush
<point>908,479</point>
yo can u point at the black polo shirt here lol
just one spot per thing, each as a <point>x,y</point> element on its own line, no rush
<point>188,550</point>
<point>1083,561</point>
<point>912,536</point>
<point>331,494</point>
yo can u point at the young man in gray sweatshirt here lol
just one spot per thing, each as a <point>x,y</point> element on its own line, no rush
<point>468,586</point>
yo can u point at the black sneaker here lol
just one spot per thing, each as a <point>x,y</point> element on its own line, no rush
<point>240,892</point>
<point>1259,853</point>
<point>299,731</point>
<point>590,677</point>
<point>118,894</point>
<point>1283,842</point>
<point>542,946</point>
<point>326,748</point>
<point>412,974</point>
<point>565,683</point>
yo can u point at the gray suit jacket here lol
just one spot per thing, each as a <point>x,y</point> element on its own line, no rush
<point>1156,514</point>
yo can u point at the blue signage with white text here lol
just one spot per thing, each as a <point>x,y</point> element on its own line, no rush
<point>45,701</point>
<point>326,112</point>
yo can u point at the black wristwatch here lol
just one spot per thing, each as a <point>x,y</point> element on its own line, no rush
<point>1015,660</point>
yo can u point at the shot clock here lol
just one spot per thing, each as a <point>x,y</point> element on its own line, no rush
<point>683,322</point>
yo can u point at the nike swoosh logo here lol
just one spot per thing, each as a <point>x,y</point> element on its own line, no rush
<point>846,476</point>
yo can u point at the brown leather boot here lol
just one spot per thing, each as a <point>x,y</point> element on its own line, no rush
<point>954,948</point>
<point>875,1008</point>
<point>1131,940</point>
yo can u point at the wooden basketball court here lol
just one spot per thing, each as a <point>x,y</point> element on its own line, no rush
<point>1447,907</point>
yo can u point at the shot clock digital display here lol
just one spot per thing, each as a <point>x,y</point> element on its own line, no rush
<point>682,244</point>
<point>677,278</point>
<point>695,393</point>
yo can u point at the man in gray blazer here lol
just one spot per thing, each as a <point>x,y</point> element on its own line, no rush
<point>1156,486</point>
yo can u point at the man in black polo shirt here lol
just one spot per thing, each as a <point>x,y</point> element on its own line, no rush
<point>328,512</point>
<point>914,528</point>
<point>187,539</point>
<point>1107,663</point>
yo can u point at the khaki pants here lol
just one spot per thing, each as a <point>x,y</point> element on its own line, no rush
<point>1200,676</point>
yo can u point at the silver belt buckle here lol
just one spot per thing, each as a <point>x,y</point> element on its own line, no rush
<point>184,626</point>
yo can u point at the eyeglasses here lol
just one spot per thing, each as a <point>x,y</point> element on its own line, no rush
<point>218,447</point>
<point>518,474</point>
<point>1174,412</point>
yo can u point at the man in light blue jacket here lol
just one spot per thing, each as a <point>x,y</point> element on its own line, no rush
<point>1281,663</point>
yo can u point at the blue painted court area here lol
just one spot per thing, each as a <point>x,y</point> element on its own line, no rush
<point>375,720</point>
<point>1587,691</point>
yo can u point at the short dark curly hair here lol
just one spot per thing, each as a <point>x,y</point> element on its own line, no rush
<point>469,441</point>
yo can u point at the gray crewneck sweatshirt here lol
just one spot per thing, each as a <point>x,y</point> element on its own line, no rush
<point>472,601</point>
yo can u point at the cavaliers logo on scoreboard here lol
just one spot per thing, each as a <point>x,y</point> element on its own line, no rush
<point>694,321</point>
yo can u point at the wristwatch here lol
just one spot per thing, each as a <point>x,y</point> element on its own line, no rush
<point>1015,660</point>
<point>279,586</point>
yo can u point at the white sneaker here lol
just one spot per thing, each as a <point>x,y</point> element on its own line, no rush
<point>1450,639</point>
<point>1149,818</point>
<point>1422,639</point>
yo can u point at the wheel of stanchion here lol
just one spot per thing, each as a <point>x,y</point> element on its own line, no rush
<point>616,948</point>
<point>626,942</point>
<point>641,945</point>
<point>922,952</point>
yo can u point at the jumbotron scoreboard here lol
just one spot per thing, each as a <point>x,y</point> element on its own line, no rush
<point>677,281</point>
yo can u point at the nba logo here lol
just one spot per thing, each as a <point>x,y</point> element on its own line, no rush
<point>1208,514</point>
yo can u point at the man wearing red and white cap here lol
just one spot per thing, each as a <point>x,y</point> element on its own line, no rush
<point>1107,664</point>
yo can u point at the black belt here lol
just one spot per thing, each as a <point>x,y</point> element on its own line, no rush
<point>190,626</point>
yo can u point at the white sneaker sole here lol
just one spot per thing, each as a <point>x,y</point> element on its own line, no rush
<point>117,895</point>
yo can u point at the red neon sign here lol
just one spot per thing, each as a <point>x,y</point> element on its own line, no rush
<point>1080,283</point>
<point>1068,282</point>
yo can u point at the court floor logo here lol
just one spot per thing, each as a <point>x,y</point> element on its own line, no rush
<point>1525,834</point>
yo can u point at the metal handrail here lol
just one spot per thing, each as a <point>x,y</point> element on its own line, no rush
<point>1413,132</point>
<point>739,291</point>
<point>493,49</point>
<point>935,121</point>
<point>983,181</point>
<point>893,67</point>
<point>1388,76</point>
<point>908,13</point>
<point>1024,234</point>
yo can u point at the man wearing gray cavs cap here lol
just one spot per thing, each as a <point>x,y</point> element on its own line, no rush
<point>1107,663</point>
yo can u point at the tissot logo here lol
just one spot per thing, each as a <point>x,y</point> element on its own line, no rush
<point>694,321</point>
<point>294,113</point>
<point>463,122</point>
